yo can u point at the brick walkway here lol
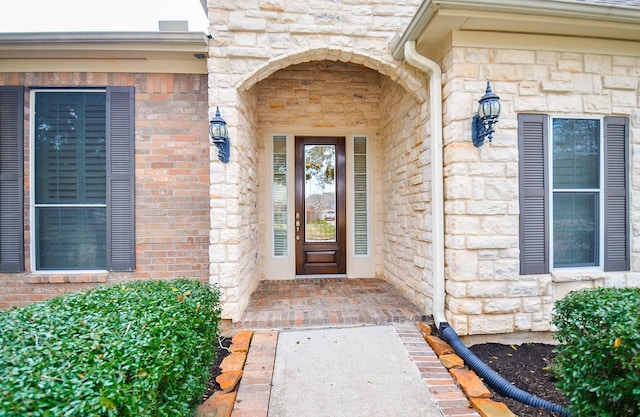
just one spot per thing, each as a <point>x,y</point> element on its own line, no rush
<point>327,302</point>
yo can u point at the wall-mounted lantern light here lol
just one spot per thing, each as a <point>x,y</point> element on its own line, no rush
<point>220,136</point>
<point>482,125</point>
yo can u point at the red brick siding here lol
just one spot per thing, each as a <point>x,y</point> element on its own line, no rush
<point>172,182</point>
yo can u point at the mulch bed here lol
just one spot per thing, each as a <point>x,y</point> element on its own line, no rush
<point>214,371</point>
<point>528,367</point>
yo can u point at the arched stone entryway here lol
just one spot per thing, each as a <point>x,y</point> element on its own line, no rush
<point>328,92</point>
<point>412,81</point>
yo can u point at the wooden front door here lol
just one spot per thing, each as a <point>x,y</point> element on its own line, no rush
<point>320,216</point>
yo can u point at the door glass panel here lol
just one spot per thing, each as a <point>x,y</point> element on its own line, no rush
<point>320,193</point>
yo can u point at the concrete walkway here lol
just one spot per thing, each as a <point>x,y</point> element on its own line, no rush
<point>352,372</point>
<point>285,378</point>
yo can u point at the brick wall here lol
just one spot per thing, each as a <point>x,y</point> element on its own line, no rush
<point>485,292</point>
<point>172,182</point>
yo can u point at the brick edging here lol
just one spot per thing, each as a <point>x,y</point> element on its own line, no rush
<point>466,379</point>
<point>443,388</point>
<point>238,365</point>
<point>255,388</point>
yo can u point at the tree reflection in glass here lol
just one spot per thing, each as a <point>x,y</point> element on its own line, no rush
<point>320,193</point>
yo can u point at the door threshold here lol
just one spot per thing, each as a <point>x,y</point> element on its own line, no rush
<point>321,276</point>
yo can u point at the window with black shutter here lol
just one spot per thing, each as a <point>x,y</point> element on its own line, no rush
<point>573,193</point>
<point>82,176</point>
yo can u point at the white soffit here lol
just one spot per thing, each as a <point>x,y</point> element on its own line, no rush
<point>438,19</point>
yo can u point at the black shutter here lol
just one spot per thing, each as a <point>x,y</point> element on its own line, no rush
<point>616,203</point>
<point>534,182</point>
<point>11,179</point>
<point>120,179</point>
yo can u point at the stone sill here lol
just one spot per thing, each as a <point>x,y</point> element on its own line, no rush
<point>68,278</point>
<point>574,275</point>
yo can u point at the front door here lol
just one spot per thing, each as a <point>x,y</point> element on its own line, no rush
<point>320,216</point>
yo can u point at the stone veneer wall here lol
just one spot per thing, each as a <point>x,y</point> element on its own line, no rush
<point>172,183</point>
<point>485,292</point>
<point>253,39</point>
<point>406,195</point>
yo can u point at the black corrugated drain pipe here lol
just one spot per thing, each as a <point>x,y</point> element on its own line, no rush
<point>491,377</point>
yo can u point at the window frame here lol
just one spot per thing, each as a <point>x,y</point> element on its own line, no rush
<point>33,206</point>
<point>599,242</point>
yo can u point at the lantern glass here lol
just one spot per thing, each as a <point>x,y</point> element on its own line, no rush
<point>489,104</point>
<point>488,108</point>
<point>483,109</point>
<point>218,130</point>
<point>495,108</point>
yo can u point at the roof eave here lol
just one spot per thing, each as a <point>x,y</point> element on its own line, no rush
<point>197,40</point>
<point>554,8</point>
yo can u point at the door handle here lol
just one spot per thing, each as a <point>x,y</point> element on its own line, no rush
<point>297,226</point>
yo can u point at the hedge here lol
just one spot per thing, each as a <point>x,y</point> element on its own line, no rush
<point>598,358</point>
<point>142,348</point>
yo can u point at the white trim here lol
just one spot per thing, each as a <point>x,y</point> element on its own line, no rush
<point>283,267</point>
<point>600,191</point>
<point>279,267</point>
<point>360,266</point>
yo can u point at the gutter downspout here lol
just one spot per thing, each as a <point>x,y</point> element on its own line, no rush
<point>437,195</point>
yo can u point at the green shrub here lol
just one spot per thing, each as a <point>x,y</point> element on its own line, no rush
<point>138,349</point>
<point>598,360</point>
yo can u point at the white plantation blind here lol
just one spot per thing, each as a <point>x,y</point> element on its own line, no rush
<point>70,148</point>
<point>280,207</point>
<point>361,238</point>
